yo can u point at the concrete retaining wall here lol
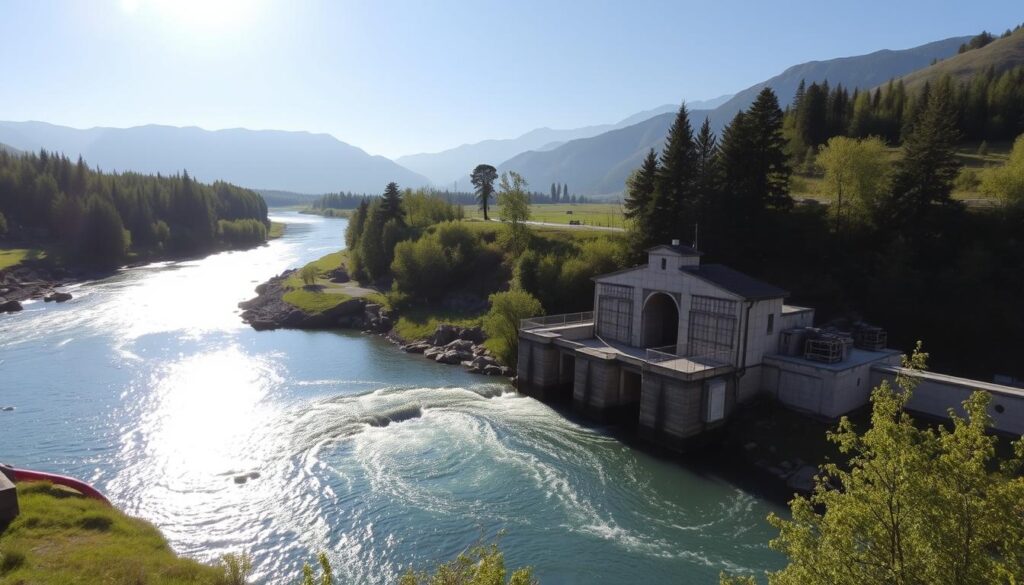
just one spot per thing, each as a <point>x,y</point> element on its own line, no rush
<point>937,393</point>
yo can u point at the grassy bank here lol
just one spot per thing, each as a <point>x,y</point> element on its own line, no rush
<point>595,214</point>
<point>14,256</point>
<point>61,538</point>
<point>323,294</point>
<point>276,230</point>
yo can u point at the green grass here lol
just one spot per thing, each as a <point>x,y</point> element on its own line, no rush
<point>276,230</point>
<point>813,186</point>
<point>594,214</point>
<point>61,538</point>
<point>419,323</point>
<point>14,256</point>
<point>328,294</point>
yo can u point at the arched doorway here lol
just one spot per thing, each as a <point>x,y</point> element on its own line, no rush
<point>660,321</point>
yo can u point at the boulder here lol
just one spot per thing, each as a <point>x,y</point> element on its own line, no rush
<point>263,325</point>
<point>460,345</point>
<point>9,306</point>
<point>432,352</point>
<point>57,297</point>
<point>453,356</point>
<point>474,334</point>
<point>482,361</point>
<point>8,501</point>
<point>417,347</point>
<point>493,370</point>
<point>444,334</point>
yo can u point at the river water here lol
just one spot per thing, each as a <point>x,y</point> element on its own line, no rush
<point>149,385</point>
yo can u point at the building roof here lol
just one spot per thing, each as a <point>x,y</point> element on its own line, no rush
<point>678,250</point>
<point>736,282</point>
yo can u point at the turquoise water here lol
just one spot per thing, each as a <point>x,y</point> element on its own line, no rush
<point>149,385</point>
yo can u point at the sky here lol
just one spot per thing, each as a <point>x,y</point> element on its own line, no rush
<point>402,77</point>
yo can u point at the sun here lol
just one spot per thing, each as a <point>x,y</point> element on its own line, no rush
<point>195,13</point>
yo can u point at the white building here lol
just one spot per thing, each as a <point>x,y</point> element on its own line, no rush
<point>676,345</point>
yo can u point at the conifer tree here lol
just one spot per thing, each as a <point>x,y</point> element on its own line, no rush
<point>754,161</point>
<point>391,204</point>
<point>674,200</point>
<point>483,178</point>
<point>925,174</point>
<point>640,188</point>
<point>554,193</point>
<point>708,175</point>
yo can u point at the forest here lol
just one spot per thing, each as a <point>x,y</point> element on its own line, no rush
<point>894,248</point>
<point>102,219</point>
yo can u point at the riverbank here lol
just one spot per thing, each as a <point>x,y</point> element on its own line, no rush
<point>30,273</point>
<point>62,537</point>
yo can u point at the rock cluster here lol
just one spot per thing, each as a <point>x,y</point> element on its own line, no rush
<point>21,283</point>
<point>459,345</point>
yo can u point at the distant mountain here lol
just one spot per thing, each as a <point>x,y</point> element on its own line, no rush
<point>448,166</point>
<point>1001,55</point>
<point>599,165</point>
<point>9,149</point>
<point>265,159</point>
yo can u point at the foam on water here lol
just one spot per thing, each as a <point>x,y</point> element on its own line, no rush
<point>147,384</point>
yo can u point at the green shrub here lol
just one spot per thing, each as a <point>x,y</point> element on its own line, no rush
<point>502,322</point>
<point>237,568</point>
<point>481,565</point>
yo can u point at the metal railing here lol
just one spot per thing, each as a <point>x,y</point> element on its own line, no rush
<point>682,359</point>
<point>548,321</point>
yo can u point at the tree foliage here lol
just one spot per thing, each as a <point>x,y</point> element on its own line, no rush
<point>514,209</point>
<point>97,218</point>
<point>857,173</point>
<point>1007,182</point>
<point>482,178</point>
<point>502,321</point>
<point>913,506</point>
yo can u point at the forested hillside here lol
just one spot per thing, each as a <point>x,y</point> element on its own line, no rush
<point>101,218</point>
<point>894,247</point>
<point>600,165</point>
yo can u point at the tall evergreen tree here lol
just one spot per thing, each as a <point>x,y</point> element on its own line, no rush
<point>640,188</point>
<point>925,174</point>
<point>391,205</point>
<point>483,178</point>
<point>673,203</point>
<point>554,193</point>
<point>754,161</point>
<point>708,168</point>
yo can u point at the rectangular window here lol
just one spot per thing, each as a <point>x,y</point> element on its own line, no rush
<point>615,312</point>
<point>712,325</point>
<point>664,263</point>
<point>771,323</point>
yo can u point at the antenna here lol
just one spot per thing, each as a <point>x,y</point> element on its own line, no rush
<point>696,234</point>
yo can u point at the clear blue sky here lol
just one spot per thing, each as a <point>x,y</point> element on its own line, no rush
<point>399,77</point>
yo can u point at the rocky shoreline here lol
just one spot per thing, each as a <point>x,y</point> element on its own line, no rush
<point>449,344</point>
<point>27,281</point>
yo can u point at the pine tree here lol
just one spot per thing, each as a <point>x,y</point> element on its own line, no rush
<point>640,188</point>
<point>754,161</point>
<point>554,193</point>
<point>708,168</point>
<point>925,174</point>
<point>483,178</point>
<point>391,204</point>
<point>675,199</point>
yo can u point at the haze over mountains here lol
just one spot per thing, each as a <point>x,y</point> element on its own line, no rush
<point>448,166</point>
<point>263,159</point>
<point>593,160</point>
<point>600,165</point>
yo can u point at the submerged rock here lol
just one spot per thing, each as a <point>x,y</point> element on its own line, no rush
<point>10,306</point>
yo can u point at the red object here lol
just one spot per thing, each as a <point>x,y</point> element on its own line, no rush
<point>70,482</point>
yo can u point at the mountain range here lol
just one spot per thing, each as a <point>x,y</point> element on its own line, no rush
<point>593,160</point>
<point>266,159</point>
<point>455,164</point>
<point>599,165</point>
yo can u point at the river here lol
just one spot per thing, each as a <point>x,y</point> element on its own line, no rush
<point>149,385</point>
